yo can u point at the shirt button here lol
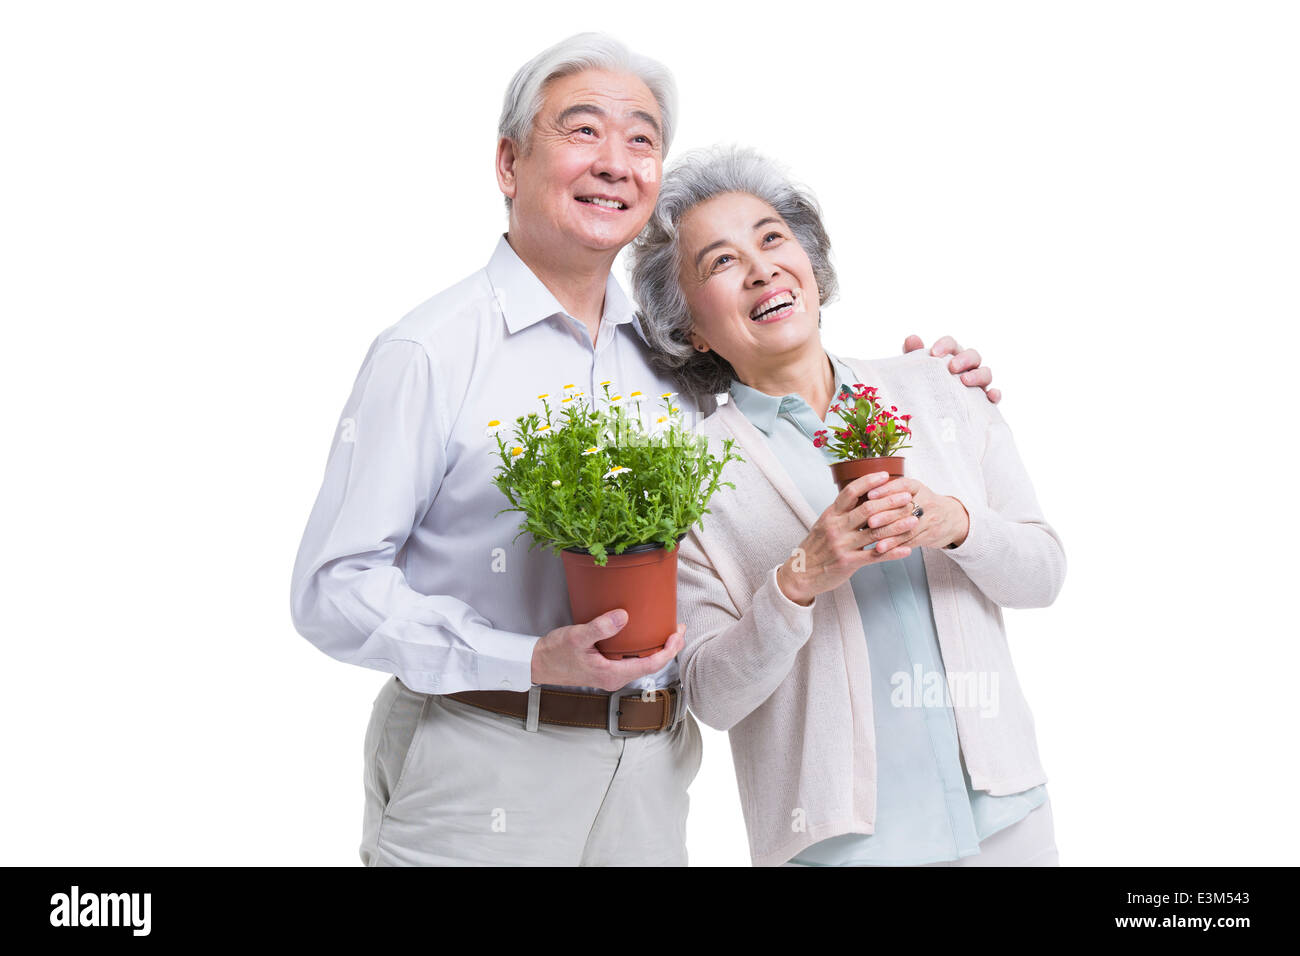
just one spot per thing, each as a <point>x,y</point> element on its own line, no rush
<point>505,683</point>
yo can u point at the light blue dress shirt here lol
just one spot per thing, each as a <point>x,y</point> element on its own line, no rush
<point>926,809</point>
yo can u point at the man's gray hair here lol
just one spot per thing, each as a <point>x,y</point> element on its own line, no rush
<point>656,254</point>
<point>582,51</point>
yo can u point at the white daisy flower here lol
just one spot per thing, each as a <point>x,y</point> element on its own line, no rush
<point>516,451</point>
<point>616,471</point>
<point>592,450</point>
<point>493,427</point>
<point>555,483</point>
<point>569,388</point>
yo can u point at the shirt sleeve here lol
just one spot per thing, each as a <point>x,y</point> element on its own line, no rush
<point>349,597</point>
<point>733,661</point>
<point>1010,553</point>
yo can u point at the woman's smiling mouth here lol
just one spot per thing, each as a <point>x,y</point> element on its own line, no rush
<point>778,304</point>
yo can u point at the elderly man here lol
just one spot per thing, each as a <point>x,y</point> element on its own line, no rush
<point>504,736</point>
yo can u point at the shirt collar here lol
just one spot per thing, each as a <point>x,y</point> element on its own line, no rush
<point>526,301</point>
<point>762,409</point>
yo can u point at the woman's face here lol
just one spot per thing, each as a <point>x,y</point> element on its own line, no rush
<point>748,283</point>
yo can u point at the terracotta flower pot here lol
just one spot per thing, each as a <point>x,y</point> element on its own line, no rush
<point>846,471</point>
<point>642,580</point>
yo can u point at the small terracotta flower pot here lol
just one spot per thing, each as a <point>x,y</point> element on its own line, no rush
<point>642,580</point>
<point>846,471</point>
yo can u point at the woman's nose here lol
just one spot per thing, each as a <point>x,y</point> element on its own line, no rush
<point>761,271</point>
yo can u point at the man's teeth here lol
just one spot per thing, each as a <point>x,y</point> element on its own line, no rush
<point>607,203</point>
<point>771,305</point>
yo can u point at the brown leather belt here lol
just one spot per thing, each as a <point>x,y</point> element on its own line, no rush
<point>622,714</point>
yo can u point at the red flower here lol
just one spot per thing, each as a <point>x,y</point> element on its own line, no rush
<point>862,444</point>
<point>893,408</point>
<point>870,429</point>
<point>906,418</point>
<point>818,442</point>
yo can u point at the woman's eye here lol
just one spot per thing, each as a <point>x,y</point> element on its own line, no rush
<point>720,261</point>
<point>772,235</point>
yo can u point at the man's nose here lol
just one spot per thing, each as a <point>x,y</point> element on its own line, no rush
<point>612,160</point>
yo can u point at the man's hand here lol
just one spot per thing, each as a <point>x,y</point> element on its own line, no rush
<point>965,362</point>
<point>568,656</point>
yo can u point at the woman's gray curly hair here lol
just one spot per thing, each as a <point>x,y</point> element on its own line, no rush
<point>656,255</point>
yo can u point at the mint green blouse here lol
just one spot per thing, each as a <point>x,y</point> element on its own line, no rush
<point>926,810</point>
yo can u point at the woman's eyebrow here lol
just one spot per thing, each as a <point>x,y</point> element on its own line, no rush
<point>765,221</point>
<point>707,249</point>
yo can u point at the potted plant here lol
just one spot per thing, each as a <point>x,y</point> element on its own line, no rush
<point>868,439</point>
<point>612,492</point>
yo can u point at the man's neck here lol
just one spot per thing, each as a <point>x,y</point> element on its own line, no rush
<point>576,280</point>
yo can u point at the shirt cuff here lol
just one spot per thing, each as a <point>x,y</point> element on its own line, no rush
<point>505,659</point>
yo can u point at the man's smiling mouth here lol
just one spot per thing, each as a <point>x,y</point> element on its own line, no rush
<point>602,202</point>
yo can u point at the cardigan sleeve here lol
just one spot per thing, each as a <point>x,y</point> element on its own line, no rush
<point>733,660</point>
<point>1010,553</point>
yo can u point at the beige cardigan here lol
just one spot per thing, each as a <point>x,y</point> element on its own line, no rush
<point>792,684</point>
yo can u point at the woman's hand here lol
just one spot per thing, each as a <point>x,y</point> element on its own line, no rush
<point>846,537</point>
<point>943,522</point>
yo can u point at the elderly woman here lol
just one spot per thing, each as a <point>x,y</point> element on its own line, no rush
<point>855,652</point>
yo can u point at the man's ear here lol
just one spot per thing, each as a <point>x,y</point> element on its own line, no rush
<point>506,158</point>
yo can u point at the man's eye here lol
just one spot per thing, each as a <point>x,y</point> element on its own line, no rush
<point>644,139</point>
<point>587,129</point>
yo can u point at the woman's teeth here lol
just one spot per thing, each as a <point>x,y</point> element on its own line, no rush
<point>771,306</point>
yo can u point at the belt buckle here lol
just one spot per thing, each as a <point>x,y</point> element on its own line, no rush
<point>672,715</point>
<point>612,723</point>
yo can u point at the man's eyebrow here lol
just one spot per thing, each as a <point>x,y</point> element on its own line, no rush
<point>577,108</point>
<point>595,110</point>
<point>647,118</point>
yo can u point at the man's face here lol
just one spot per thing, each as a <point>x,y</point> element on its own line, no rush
<point>590,176</point>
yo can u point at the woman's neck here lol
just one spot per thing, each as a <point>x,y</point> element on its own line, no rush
<point>811,377</point>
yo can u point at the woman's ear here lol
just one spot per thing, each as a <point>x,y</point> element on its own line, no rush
<point>697,342</point>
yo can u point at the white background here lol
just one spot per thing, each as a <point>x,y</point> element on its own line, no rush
<point>209,210</point>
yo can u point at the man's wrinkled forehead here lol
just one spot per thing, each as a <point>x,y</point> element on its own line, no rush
<point>600,95</point>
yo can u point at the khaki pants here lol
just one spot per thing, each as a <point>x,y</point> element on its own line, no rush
<point>447,783</point>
